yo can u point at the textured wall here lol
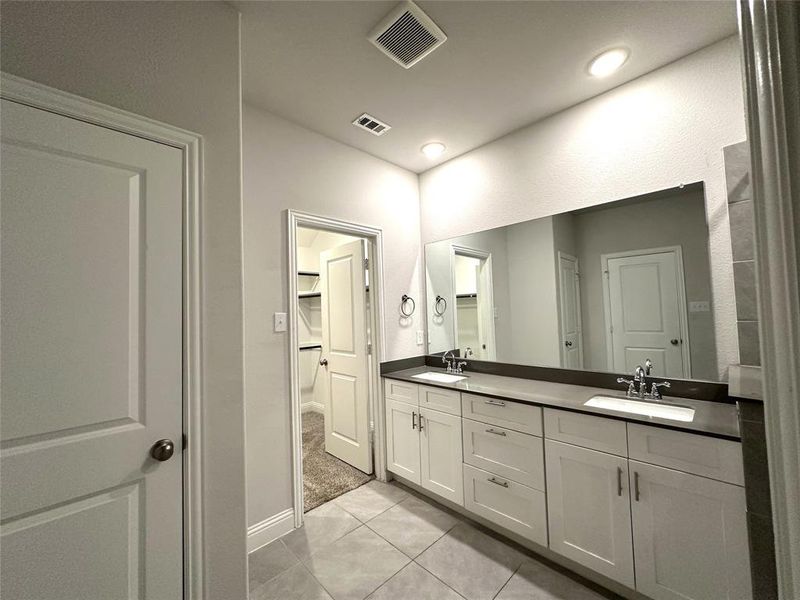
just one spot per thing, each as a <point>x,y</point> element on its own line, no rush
<point>177,62</point>
<point>656,132</point>
<point>287,166</point>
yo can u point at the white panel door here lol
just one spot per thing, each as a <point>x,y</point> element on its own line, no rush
<point>486,330</point>
<point>589,511</point>
<point>441,455</point>
<point>344,343</point>
<point>646,303</point>
<point>690,536</point>
<point>569,297</point>
<point>402,440</point>
<point>91,361</point>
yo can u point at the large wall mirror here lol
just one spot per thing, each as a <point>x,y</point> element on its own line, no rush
<point>602,288</point>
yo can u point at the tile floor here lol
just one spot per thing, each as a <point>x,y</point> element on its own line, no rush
<point>380,542</point>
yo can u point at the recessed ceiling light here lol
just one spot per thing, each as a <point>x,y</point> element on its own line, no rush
<point>608,62</point>
<point>433,149</point>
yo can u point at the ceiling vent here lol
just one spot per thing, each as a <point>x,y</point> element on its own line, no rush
<point>407,35</point>
<point>371,124</point>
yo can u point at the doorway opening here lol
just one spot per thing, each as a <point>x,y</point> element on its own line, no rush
<point>474,302</point>
<point>334,320</point>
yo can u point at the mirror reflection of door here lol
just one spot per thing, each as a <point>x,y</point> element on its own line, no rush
<point>569,305</point>
<point>474,302</point>
<point>645,305</point>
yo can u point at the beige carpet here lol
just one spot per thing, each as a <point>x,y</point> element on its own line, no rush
<point>324,476</point>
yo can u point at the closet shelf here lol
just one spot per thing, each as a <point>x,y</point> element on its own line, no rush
<point>310,346</point>
<point>308,273</point>
<point>309,295</point>
<point>467,296</point>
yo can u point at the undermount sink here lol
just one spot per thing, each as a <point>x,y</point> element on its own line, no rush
<point>439,377</point>
<point>661,410</point>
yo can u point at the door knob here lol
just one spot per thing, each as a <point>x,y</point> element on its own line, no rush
<point>162,450</point>
<point>674,342</point>
<point>568,344</point>
<point>323,362</point>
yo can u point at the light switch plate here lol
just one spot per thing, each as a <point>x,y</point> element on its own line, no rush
<point>420,337</point>
<point>699,306</point>
<point>279,322</point>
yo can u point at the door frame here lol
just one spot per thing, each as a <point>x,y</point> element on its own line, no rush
<point>374,236</point>
<point>567,256</point>
<point>682,308</point>
<point>36,95</point>
<point>482,255</point>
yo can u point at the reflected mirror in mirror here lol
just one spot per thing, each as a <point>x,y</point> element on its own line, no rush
<point>601,288</point>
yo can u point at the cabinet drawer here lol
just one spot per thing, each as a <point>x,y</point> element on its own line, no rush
<point>401,390</point>
<point>448,401</point>
<point>505,413</point>
<point>688,452</point>
<point>509,454</point>
<point>516,507</point>
<point>587,431</point>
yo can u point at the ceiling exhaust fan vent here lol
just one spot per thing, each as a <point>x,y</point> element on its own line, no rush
<point>407,35</point>
<point>369,123</point>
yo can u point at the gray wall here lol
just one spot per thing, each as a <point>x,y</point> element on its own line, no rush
<point>652,223</point>
<point>177,62</point>
<point>287,166</point>
<point>660,130</point>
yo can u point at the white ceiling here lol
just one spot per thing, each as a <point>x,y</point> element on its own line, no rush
<point>504,65</point>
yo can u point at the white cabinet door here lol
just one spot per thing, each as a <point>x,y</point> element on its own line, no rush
<point>690,536</point>
<point>441,454</point>
<point>402,440</point>
<point>589,510</point>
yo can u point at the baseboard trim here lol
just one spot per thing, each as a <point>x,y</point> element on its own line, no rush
<point>270,529</point>
<point>316,407</point>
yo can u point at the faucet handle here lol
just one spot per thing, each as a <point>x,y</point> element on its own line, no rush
<point>655,393</point>
<point>631,387</point>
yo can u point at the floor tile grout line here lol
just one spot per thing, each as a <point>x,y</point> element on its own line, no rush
<point>434,575</point>
<point>502,587</point>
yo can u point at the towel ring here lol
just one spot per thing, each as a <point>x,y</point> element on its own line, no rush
<point>440,300</point>
<point>403,302</point>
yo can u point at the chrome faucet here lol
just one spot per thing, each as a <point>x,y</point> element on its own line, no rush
<point>449,361</point>
<point>460,367</point>
<point>640,375</point>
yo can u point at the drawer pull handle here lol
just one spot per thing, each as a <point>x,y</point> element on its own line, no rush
<point>413,420</point>
<point>495,402</point>
<point>636,485</point>
<point>496,481</point>
<point>494,431</point>
<point>619,481</point>
<point>420,422</point>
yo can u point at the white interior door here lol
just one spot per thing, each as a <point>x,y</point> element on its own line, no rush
<point>570,312</point>
<point>91,323</point>
<point>344,345</point>
<point>645,313</point>
<point>486,333</point>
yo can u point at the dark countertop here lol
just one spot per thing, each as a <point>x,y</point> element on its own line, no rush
<point>710,418</point>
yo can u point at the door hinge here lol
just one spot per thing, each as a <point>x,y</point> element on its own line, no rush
<point>366,263</point>
<point>369,348</point>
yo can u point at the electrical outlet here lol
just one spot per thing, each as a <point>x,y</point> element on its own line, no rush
<point>279,322</point>
<point>699,306</point>
<point>420,337</point>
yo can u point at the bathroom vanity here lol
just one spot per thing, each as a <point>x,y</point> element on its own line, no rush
<point>652,503</point>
